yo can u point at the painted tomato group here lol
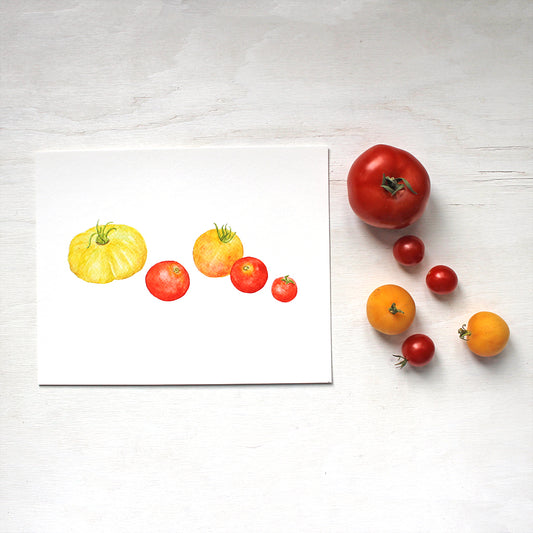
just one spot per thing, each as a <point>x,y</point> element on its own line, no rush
<point>249,274</point>
<point>284,289</point>
<point>167,280</point>
<point>388,187</point>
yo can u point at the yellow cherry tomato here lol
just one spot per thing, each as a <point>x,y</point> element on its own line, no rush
<point>486,334</point>
<point>390,309</point>
<point>105,253</point>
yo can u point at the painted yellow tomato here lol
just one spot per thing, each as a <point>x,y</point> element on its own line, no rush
<point>486,334</point>
<point>105,253</point>
<point>216,250</point>
<point>390,309</point>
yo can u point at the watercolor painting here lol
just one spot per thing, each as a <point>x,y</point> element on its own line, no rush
<point>115,251</point>
<point>206,275</point>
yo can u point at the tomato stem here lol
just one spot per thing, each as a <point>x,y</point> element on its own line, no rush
<point>288,280</point>
<point>224,233</point>
<point>393,309</point>
<point>464,333</point>
<point>102,234</point>
<point>402,361</point>
<point>393,185</point>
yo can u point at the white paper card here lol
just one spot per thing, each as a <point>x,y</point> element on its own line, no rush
<point>274,198</point>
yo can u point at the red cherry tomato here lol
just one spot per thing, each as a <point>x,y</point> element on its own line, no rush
<point>408,250</point>
<point>284,289</point>
<point>249,274</point>
<point>388,187</point>
<point>417,350</point>
<point>441,279</point>
<point>167,280</point>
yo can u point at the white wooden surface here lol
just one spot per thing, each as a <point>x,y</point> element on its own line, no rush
<point>447,448</point>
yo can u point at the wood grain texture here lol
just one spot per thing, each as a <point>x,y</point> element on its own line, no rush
<point>447,448</point>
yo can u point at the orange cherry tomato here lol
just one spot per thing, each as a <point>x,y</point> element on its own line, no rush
<point>486,334</point>
<point>390,309</point>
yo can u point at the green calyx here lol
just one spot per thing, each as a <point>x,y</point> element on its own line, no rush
<point>394,185</point>
<point>463,332</point>
<point>393,309</point>
<point>402,361</point>
<point>224,233</point>
<point>287,279</point>
<point>102,234</point>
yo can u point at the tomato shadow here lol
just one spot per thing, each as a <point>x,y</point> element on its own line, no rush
<point>447,298</point>
<point>420,228</point>
<point>415,270</point>
<point>496,360</point>
<point>431,368</point>
<point>393,341</point>
<point>393,346</point>
<point>384,236</point>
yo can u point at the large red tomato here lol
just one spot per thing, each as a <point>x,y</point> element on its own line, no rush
<point>388,187</point>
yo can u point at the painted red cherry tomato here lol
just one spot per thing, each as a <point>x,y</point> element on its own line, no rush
<point>249,274</point>
<point>167,280</point>
<point>388,187</point>
<point>441,279</point>
<point>417,350</point>
<point>284,289</point>
<point>408,250</point>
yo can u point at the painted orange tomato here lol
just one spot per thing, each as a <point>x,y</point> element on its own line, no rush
<point>216,250</point>
<point>249,274</point>
<point>107,252</point>
<point>167,280</point>
<point>486,334</point>
<point>390,309</point>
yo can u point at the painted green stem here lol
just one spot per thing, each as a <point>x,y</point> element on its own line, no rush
<point>225,234</point>
<point>102,234</point>
<point>288,279</point>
